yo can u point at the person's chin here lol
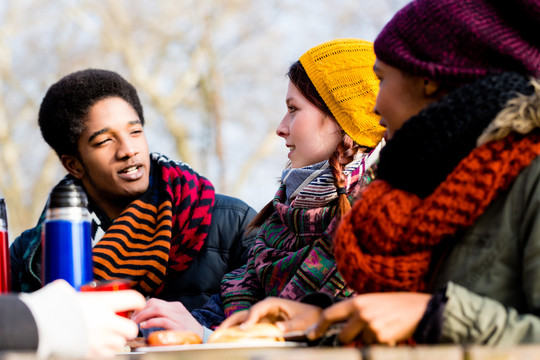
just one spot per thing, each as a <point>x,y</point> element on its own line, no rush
<point>387,136</point>
<point>136,188</point>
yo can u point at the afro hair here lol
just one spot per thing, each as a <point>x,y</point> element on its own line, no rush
<point>66,104</point>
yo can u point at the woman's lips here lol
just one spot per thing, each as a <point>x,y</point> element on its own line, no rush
<point>291,150</point>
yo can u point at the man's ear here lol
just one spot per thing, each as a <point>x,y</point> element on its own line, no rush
<point>73,166</point>
<point>430,87</point>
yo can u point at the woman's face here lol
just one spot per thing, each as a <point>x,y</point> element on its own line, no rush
<point>400,96</point>
<point>310,135</point>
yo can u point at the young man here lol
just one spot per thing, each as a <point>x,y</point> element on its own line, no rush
<point>155,220</point>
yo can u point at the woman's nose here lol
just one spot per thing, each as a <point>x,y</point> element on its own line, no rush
<point>283,128</point>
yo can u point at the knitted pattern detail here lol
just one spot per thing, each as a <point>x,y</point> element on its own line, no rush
<point>385,243</point>
<point>161,232</point>
<point>292,256</point>
<point>453,123</point>
<point>342,72</point>
<point>462,40</point>
<point>511,118</point>
<point>319,189</point>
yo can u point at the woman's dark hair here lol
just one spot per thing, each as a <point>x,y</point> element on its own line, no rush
<point>66,104</point>
<point>344,154</point>
<point>299,77</point>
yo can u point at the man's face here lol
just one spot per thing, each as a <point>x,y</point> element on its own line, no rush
<point>113,162</point>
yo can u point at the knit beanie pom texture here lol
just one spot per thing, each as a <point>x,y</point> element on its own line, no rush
<point>459,41</point>
<point>342,72</point>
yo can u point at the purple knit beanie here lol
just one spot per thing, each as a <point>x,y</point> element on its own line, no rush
<point>458,41</point>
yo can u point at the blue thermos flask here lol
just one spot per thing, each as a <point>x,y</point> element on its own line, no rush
<point>66,237</point>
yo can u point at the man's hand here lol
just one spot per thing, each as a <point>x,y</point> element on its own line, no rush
<point>168,315</point>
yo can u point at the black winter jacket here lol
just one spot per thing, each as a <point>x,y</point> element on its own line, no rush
<point>225,249</point>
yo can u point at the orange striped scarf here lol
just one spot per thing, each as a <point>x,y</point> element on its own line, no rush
<point>160,233</point>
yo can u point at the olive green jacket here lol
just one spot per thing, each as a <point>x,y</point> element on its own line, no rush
<point>493,271</point>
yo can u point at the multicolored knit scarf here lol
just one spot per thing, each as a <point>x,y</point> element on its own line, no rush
<point>159,233</point>
<point>292,255</point>
<point>385,243</point>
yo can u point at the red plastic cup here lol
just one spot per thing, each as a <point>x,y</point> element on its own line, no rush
<point>109,285</point>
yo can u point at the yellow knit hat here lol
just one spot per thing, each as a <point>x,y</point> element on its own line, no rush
<point>342,72</point>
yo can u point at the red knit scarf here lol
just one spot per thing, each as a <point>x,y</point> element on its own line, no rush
<point>159,233</point>
<point>385,242</point>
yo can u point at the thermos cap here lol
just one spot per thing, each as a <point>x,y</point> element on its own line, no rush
<point>3,215</point>
<point>67,194</point>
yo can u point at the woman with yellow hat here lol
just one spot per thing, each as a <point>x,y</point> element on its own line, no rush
<point>330,129</point>
<point>333,137</point>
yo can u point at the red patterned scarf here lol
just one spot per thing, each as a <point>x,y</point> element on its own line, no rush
<point>160,233</point>
<point>385,243</point>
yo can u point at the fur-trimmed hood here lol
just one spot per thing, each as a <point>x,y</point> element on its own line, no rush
<point>521,115</point>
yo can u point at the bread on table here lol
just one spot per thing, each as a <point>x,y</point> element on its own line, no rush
<point>257,332</point>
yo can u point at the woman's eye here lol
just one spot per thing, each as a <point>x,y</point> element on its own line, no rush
<point>102,142</point>
<point>291,108</point>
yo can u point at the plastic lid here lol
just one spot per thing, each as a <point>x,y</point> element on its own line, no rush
<point>3,215</point>
<point>67,194</point>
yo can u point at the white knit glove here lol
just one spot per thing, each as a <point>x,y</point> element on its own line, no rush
<point>83,324</point>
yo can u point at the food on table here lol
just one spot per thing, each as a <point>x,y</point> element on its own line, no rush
<point>257,332</point>
<point>173,337</point>
<point>136,343</point>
